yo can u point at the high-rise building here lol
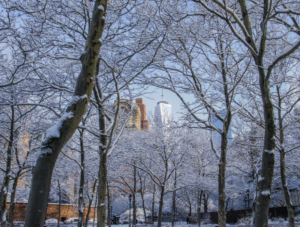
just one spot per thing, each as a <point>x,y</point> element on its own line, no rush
<point>138,116</point>
<point>163,113</point>
<point>144,122</point>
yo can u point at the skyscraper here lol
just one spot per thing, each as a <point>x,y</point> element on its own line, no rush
<point>163,112</point>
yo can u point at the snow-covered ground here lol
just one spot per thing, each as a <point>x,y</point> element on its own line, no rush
<point>278,222</point>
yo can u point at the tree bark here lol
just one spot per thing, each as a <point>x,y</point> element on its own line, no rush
<point>59,203</point>
<point>142,196</point>
<point>221,182</point>
<point>134,195</point>
<point>267,170</point>
<point>109,208</point>
<point>174,200</point>
<point>102,177</point>
<point>12,201</point>
<point>161,204</point>
<point>81,183</point>
<point>90,205</point>
<point>224,141</point>
<point>58,135</point>
<point>286,193</point>
<point>153,202</point>
<point>96,202</point>
<point>200,192</point>
<point>5,186</point>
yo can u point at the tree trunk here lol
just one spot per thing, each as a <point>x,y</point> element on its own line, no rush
<point>96,202</point>
<point>143,200</point>
<point>286,193</point>
<point>282,164</point>
<point>108,210</point>
<point>102,177</point>
<point>59,204</point>
<point>221,181</point>
<point>153,202</point>
<point>200,192</point>
<point>12,201</point>
<point>267,169</point>
<point>134,195</point>
<point>58,135</point>
<point>90,205</point>
<point>5,186</point>
<point>81,183</point>
<point>254,200</point>
<point>161,203</point>
<point>174,200</point>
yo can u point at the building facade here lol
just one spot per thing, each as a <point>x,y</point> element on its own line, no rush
<point>138,116</point>
<point>163,113</point>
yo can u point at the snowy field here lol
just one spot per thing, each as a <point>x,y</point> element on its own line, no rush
<point>183,224</point>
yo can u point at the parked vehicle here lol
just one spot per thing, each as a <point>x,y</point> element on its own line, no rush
<point>71,220</point>
<point>92,220</point>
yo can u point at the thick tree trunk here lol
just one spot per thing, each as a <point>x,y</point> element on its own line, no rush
<point>221,181</point>
<point>81,183</point>
<point>5,186</point>
<point>134,195</point>
<point>12,201</point>
<point>58,135</point>
<point>267,169</point>
<point>161,204</point>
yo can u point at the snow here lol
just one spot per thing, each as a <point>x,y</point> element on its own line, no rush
<point>4,216</point>
<point>139,214</point>
<point>266,192</point>
<point>102,204</point>
<point>101,7</point>
<point>54,131</point>
<point>269,151</point>
<point>103,18</point>
<point>45,151</point>
<point>260,178</point>
<point>100,40</point>
<point>76,98</point>
<point>51,221</point>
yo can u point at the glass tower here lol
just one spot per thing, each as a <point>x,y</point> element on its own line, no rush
<point>163,113</point>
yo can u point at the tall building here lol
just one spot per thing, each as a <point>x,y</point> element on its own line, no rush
<point>138,116</point>
<point>219,124</point>
<point>163,113</point>
<point>144,122</point>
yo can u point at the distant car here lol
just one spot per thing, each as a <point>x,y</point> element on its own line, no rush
<point>92,220</point>
<point>71,220</point>
<point>50,221</point>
